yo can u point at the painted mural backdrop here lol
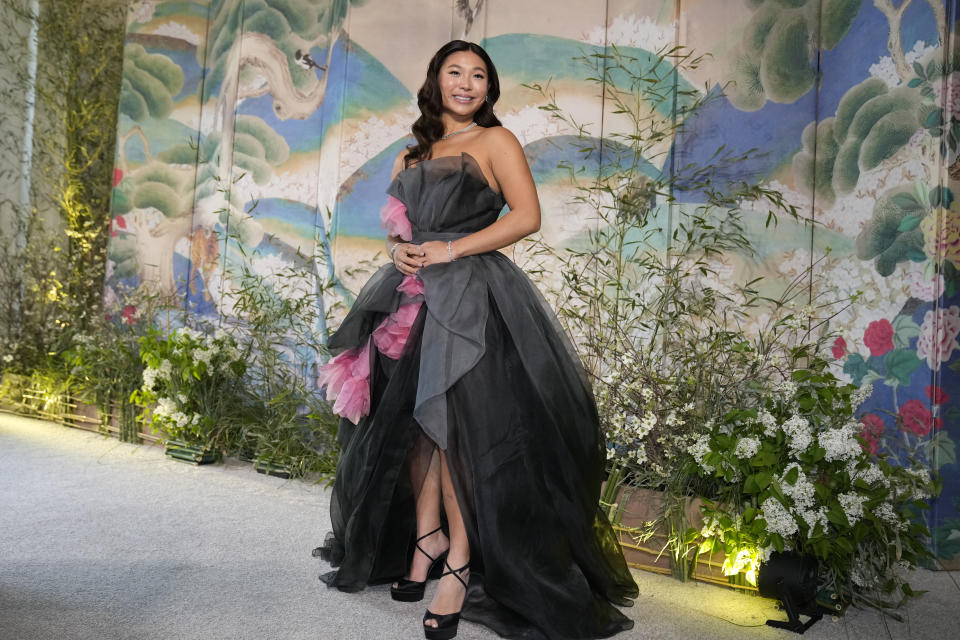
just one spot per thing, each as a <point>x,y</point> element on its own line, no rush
<point>260,134</point>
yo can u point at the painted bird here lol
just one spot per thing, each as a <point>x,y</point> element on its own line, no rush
<point>305,61</point>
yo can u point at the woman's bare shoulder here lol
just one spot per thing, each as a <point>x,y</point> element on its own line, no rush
<point>498,135</point>
<point>398,163</point>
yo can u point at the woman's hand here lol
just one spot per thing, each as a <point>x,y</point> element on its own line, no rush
<point>408,258</point>
<point>435,252</point>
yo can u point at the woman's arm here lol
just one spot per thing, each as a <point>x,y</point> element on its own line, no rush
<point>407,258</point>
<point>512,174</point>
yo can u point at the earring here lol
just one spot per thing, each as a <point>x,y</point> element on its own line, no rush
<point>486,98</point>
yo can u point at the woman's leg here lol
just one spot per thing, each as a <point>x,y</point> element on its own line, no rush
<point>428,517</point>
<point>450,592</point>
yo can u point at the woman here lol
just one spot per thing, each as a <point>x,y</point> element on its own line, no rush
<point>471,408</point>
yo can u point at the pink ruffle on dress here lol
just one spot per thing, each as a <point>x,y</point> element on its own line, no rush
<point>393,218</point>
<point>347,376</point>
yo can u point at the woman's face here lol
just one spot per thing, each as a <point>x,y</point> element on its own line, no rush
<point>463,83</point>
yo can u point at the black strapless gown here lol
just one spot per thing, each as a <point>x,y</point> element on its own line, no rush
<point>489,376</point>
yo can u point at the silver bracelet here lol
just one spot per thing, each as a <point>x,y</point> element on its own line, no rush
<point>450,251</point>
<point>392,249</point>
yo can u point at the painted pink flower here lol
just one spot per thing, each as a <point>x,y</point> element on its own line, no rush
<point>916,417</point>
<point>393,218</point>
<point>937,395</point>
<point>922,288</point>
<point>117,176</point>
<point>839,348</point>
<point>392,334</point>
<point>129,314</point>
<point>938,336</point>
<point>879,337</point>
<point>873,429</point>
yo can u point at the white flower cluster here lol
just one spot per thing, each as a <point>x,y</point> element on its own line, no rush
<point>778,519</point>
<point>852,503</point>
<point>841,443</point>
<point>803,494</point>
<point>167,409</point>
<point>151,376</point>
<point>800,432</point>
<point>886,513</point>
<point>699,449</point>
<point>747,448</point>
<point>921,480</point>
<point>860,396</point>
<point>769,423</point>
<point>871,474</point>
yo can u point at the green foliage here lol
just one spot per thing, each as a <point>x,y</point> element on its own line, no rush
<point>288,23</point>
<point>150,81</point>
<point>791,471</point>
<point>105,365</point>
<point>785,70</point>
<point>886,238</point>
<point>281,322</point>
<point>870,126</point>
<point>54,280</point>
<point>775,59</point>
<point>663,342</point>
<point>192,385</point>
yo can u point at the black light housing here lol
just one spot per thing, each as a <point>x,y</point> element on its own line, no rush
<point>791,578</point>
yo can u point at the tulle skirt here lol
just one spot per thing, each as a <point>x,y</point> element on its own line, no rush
<point>526,459</point>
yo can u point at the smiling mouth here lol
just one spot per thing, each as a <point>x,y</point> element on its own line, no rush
<point>463,98</point>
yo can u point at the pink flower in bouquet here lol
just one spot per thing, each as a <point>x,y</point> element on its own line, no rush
<point>873,428</point>
<point>393,218</point>
<point>879,337</point>
<point>839,348</point>
<point>938,336</point>
<point>917,419</point>
<point>937,395</point>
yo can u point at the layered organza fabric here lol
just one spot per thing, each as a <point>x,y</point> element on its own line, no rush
<point>484,372</point>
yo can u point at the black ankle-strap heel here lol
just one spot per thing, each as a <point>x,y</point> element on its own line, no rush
<point>411,590</point>
<point>446,623</point>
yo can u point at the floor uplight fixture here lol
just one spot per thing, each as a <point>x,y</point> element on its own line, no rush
<point>791,578</point>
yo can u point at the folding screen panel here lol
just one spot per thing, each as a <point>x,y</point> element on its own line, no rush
<point>257,137</point>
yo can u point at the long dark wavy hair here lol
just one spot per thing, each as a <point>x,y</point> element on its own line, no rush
<point>429,128</point>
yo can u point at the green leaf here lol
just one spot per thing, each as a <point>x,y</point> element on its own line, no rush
<point>941,196</point>
<point>918,69</point>
<point>905,329</point>
<point>915,82</point>
<point>934,119</point>
<point>792,476</point>
<point>856,367</point>
<point>941,450</point>
<point>908,203</point>
<point>837,516</point>
<point>909,223</point>
<point>900,364</point>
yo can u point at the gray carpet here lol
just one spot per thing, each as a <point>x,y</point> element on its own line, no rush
<point>102,540</point>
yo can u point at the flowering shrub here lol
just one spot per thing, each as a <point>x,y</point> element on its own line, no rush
<point>193,380</point>
<point>792,472</point>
